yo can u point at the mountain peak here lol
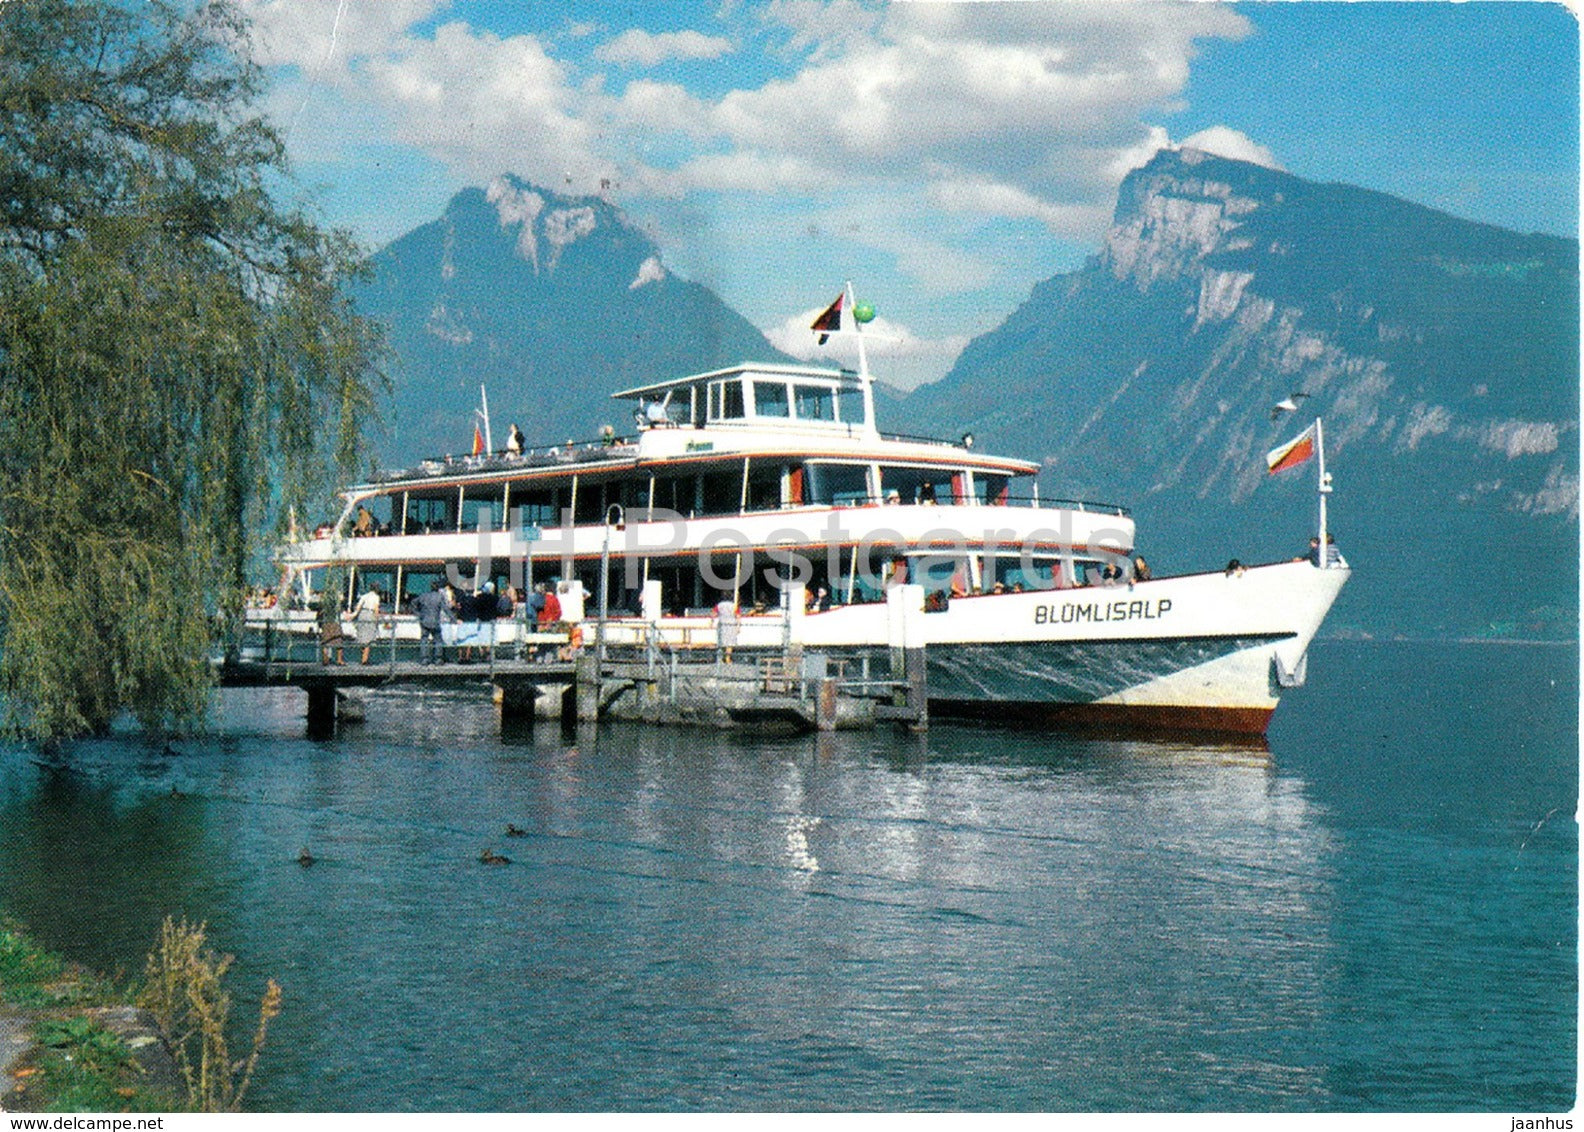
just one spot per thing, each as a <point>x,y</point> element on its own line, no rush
<point>544,223</point>
<point>1181,206</point>
<point>551,300</point>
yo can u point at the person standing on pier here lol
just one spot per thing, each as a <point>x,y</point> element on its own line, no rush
<point>726,623</point>
<point>330,634</point>
<point>430,608</point>
<point>366,614</point>
<point>486,607</point>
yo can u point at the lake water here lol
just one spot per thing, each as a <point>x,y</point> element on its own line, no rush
<point>1379,913</point>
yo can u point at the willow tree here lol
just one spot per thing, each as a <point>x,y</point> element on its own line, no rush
<point>179,362</point>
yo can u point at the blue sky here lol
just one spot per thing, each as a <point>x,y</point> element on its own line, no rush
<point>945,157</point>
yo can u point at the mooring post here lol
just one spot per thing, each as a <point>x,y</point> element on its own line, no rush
<point>905,631</point>
<point>916,670</point>
<point>825,700</point>
<point>516,699</point>
<point>588,688</point>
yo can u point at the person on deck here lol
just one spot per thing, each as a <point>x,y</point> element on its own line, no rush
<point>430,607</point>
<point>330,634</point>
<point>514,441</point>
<point>365,523</point>
<point>726,625</point>
<point>366,614</point>
<point>485,608</point>
<point>549,610</point>
<point>533,606</point>
<point>466,609</point>
<point>1141,570</point>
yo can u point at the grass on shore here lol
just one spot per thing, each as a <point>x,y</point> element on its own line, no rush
<point>78,1065</point>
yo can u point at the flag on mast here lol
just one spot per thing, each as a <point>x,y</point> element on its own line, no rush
<point>1293,453</point>
<point>478,441</point>
<point>830,321</point>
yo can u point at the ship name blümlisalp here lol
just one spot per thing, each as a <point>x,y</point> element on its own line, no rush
<point>1073,612</point>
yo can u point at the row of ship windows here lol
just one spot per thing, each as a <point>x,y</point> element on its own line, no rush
<point>729,491</point>
<point>845,578</point>
<point>737,399</point>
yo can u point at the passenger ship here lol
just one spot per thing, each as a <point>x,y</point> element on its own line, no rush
<point>759,484</point>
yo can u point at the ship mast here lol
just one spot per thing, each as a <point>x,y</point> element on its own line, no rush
<point>1323,490</point>
<point>483,414</point>
<point>863,359</point>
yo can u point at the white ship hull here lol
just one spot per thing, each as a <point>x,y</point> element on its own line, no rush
<point>1210,652</point>
<point>1205,651</point>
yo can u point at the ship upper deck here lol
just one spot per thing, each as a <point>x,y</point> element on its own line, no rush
<point>743,411</point>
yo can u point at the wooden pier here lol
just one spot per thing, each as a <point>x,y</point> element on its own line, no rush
<point>806,691</point>
<point>548,675</point>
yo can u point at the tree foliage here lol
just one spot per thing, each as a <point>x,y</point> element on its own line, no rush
<point>179,364</point>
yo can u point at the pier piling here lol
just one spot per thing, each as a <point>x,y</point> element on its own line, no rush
<point>321,710</point>
<point>588,688</point>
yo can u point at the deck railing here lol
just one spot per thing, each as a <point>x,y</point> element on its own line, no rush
<point>532,456</point>
<point>638,513</point>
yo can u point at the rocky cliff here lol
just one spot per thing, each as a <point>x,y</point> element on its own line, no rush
<point>1442,355</point>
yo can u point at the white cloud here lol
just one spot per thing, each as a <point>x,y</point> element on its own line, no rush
<point>1030,109</point>
<point>897,355</point>
<point>328,34</point>
<point>1223,141</point>
<point>988,198</point>
<point>1520,438</point>
<point>1029,112</point>
<point>482,103</point>
<point>636,47</point>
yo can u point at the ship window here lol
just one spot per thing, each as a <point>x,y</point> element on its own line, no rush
<point>850,403</point>
<point>1015,574</point>
<point>722,492</point>
<point>990,489</point>
<point>1088,572</point>
<point>880,566</point>
<point>632,494</point>
<point>836,484</point>
<point>916,485</point>
<point>939,573</point>
<point>429,514</point>
<point>675,493</point>
<point>535,507</point>
<point>770,398</point>
<point>726,400</point>
<point>815,402</point>
<point>415,582</point>
<point>590,504</point>
<point>764,487</point>
<point>481,504</point>
<point>379,509</point>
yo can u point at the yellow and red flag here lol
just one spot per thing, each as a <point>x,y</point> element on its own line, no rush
<point>478,441</point>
